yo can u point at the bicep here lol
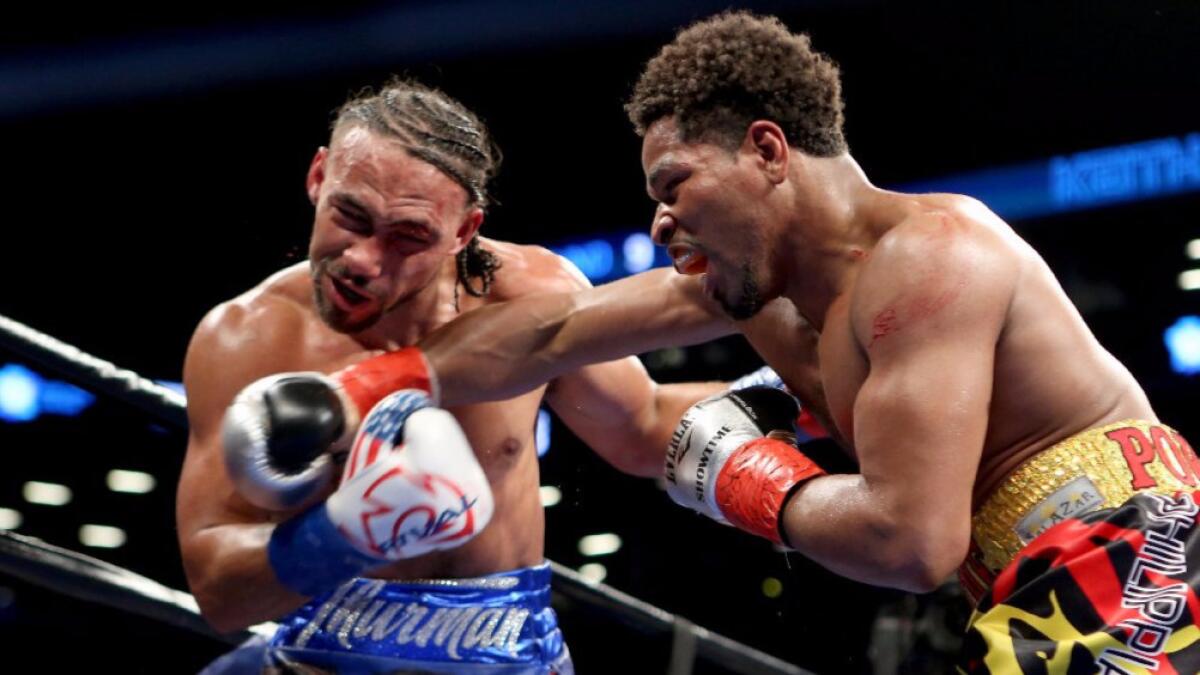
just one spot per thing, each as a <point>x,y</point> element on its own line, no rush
<point>622,414</point>
<point>607,405</point>
<point>919,427</point>
<point>641,313</point>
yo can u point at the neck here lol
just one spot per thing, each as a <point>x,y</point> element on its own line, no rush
<point>837,218</point>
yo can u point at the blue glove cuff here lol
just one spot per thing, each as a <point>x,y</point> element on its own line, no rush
<point>310,556</point>
<point>763,377</point>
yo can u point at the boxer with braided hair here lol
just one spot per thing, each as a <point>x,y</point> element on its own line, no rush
<point>444,133</point>
<point>270,530</point>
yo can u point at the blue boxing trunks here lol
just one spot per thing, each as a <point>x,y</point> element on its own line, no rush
<point>499,624</point>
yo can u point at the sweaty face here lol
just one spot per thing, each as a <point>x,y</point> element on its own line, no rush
<point>385,224</point>
<point>708,216</point>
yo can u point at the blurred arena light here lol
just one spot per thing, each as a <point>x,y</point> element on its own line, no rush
<point>24,395</point>
<point>19,388</point>
<point>46,494</point>
<point>101,536</point>
<point>593,257</point>
<point>549,495</point>
<point>61,398</point>
<point>772,587</point>
<point>593,572</point>
<point>600,544</point>
<point>541,433</point>
<point>613,256</point>
<point>638,251</point>
<point>132,482</point>
<point>1189,280</point>
<point>1183,344</point>
<point>10,519</point>
<point>1193,249</point>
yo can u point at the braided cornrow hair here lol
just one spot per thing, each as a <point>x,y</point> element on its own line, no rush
<point>441,131</point>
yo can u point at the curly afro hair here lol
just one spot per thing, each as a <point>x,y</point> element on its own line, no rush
<point>722,73</point>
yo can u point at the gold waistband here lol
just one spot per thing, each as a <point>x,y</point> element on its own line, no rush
<point>1095,469</point>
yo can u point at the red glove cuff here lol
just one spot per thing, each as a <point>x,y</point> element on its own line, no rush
<point>756,481</point>
<point>369,381</point>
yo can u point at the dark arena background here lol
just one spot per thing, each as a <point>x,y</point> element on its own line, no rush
<point>154,160</point>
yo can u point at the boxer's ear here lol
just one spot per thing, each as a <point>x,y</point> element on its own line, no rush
<point>768,143</point>
<point>316,175</point>
<point>468,228</point>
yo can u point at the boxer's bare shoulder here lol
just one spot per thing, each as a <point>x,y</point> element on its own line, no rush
<point>254,334</point>
<point>944,263</point>
<point>527,269</point>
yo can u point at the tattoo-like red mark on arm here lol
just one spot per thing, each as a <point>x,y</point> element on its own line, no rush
<point>885,324</point>
<point>915,309</point>
<point>935,288</point>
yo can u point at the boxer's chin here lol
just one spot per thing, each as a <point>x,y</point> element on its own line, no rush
<point>748,301</point>
<point>341,320</point>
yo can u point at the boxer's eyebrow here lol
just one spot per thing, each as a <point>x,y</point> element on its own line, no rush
<point>345,201</point>
<point>657,174</point>
<point>416,227</point>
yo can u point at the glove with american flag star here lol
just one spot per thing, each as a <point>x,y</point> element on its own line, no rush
<point>411,485</point>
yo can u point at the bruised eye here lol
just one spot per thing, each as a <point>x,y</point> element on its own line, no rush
<point>355,222</point>
<point>407,240</point>
<point>410,237</point>
<point>671,186</point>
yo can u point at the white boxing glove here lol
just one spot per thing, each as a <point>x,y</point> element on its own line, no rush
<point>411,485</point>
<point>426,495</point>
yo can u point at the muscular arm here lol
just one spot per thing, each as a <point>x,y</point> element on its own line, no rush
<point>927,313</point>
<point>580,339</point>
<point>223,538</point>
<point>510,348</point>
<point>624,415</point>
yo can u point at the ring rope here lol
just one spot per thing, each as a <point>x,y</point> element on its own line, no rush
<point>87,371</point>
<point>86,578</point>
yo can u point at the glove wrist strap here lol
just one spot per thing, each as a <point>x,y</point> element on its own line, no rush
<point>309,556</point>
<point>756,482</point>
<point>368,382</point>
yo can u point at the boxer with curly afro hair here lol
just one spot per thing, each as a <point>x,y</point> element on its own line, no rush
<point>720,74</point>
